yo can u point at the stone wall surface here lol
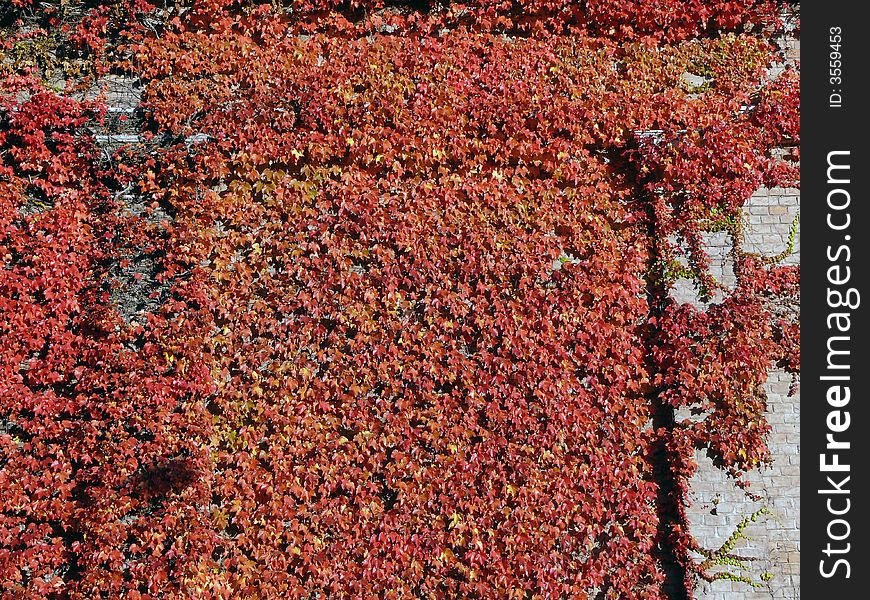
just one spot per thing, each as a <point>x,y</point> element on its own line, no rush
<point>719,505</point>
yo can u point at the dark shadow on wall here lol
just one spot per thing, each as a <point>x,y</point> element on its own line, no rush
<point>666,506</point>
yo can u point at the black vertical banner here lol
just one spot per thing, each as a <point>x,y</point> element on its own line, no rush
<point>835,299</point>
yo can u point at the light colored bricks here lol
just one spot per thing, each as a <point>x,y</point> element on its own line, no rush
<point>775,538</point>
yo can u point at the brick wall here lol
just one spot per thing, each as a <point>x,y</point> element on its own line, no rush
<point>719,505</point>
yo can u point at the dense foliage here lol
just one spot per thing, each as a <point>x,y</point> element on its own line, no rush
<point>413,334</point>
